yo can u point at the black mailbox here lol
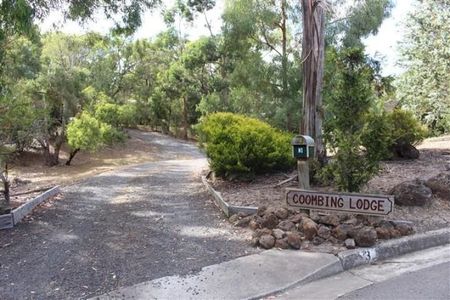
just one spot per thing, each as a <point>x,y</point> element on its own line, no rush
<point>303,147</point>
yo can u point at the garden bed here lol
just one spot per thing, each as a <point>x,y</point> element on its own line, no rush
<point>434,158</point>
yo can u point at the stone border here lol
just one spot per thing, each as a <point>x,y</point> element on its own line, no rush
<point>226,208</point>
<point>13,218</point>
<point>362,256</point>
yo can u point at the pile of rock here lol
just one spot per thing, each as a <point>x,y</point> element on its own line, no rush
<point>288,228</point>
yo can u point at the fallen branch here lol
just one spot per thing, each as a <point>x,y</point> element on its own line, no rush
<point>31,191</point>
<point>295,177</point>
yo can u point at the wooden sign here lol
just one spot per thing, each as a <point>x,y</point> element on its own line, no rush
<point>377,205</point>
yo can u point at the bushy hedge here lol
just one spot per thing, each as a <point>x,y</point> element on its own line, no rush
<point>116,115</point>
<point>237,145</point>
<point>84,133</point>
<point>385,131</point>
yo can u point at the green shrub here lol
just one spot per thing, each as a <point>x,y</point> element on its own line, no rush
<point>384,131</point>
<point>84,133</point>
<point>128,115</point>
<point>406,128</point>
<point>350,168</point>
<point>108,113</point>
<point>111,135</point>
<point>344,126</point>
<point>377,136</point>
<point>118,116</point>
<point>241,146</point>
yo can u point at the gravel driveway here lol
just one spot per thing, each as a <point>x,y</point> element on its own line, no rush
<point>120,228</point>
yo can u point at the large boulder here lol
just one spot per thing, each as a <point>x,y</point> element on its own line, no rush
<point>309,228</point>
<point>384,230</point>
<point>383,233</point>
<point>294,240</point>
<point>341,232</point>
<point>331,220</point>
<point>366,237</point>
<point>406,150</point>
<point>282,213</point>
<point>282,243</point>
<point>286,225</point>
<point>278,233</point>
<point>260,232</point>
<point>267,241</point>
<point>350,243</point>
<point>403,227</point>
<point>440,185</point>
<point>261,210</point>
<point>412,193</point>
<point>296,218</point>
<point>324,232</point>
<point>269,221</point>
<point>244,222</point>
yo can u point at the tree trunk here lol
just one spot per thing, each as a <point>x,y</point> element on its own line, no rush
<point>51,158</point>
<point>313,48</point>
<point>4,205</point>
<point>185,119</point>
<point>71,156</point>
<point>225,91</point>
<point>284,66</point>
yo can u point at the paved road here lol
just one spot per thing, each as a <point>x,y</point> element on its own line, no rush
<point>421,275</point>
<point>429,283</point>
<point>120,228</point>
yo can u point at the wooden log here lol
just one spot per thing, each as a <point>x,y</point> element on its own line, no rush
<point>286,181</point>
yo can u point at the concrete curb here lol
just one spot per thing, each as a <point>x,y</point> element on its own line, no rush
<point>227,209</point>
<point>353,258</point>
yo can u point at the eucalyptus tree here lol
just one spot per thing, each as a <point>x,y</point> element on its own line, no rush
<point>58,90</point>
<point>21,64</point>
<point>425,86</point>
<point>265,29</point>
<point>342,28</point>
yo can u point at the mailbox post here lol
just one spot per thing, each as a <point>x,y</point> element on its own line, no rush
<point>303,150</point>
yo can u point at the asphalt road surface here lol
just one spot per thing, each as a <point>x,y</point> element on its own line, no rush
<point>421,275</point>
<point>431,283</point>
<point>120,228</point>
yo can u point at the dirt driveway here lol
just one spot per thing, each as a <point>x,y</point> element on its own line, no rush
<point>120,228</point>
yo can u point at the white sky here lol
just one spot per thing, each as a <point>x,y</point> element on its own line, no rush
<point>383,46</point>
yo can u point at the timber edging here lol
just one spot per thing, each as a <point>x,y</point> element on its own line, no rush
<point>17,214</point>
<point>226,208</point>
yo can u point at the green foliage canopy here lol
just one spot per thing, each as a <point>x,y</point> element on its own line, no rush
<point>425,87</point>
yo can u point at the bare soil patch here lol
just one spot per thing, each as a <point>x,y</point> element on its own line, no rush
<point>434,159</point>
